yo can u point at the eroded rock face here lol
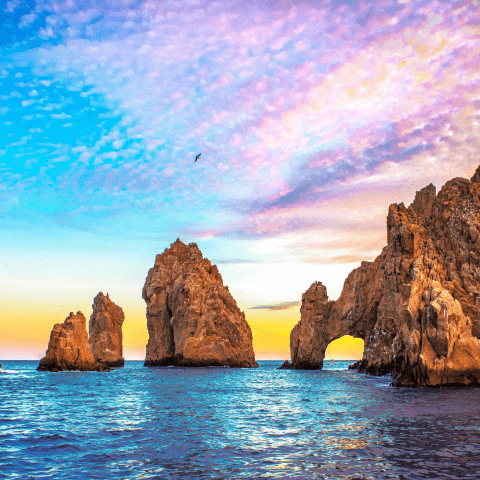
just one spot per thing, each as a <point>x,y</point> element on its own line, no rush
<point>68,348</point>
<point>192,318</point>
<point>417,306</point>
<point>105,328</point>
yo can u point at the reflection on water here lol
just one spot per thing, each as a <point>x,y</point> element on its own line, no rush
<point>136,423</point>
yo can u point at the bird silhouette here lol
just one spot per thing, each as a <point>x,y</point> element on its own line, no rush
<point>197,157</point>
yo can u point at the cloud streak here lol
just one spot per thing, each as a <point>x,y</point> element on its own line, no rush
<point>277,306</point>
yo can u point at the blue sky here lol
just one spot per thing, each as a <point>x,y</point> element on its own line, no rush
<point>311,117</point>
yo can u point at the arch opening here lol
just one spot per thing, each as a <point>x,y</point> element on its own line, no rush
<point>345,348</point>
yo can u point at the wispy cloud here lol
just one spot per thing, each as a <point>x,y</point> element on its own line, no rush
<point>233,261</point>
<point>276,306</point>
<point>311,118</point>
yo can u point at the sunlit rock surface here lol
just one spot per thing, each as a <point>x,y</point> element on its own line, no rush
<point>417,305</point>
<point>68,348</point>
<point>192,318</point>
<point>105,329</point>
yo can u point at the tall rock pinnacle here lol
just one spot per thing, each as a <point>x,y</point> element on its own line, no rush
<point>105,328</point>
<point>192,318</point>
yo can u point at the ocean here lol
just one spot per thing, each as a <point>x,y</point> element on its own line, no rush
<point>221,423</point>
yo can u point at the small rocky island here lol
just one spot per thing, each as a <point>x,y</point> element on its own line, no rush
<point>70,348</point>
<point>417,306</point>
<point>192,318</point>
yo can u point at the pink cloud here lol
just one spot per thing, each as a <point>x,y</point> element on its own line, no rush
<point>277,95</point>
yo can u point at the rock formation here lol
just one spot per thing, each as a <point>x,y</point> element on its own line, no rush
<point>105,328</point>
<point>286,365</point>
<point>192,318</point>
<point>68,348</point>
<point>354,365</point>
<point>417,306</point>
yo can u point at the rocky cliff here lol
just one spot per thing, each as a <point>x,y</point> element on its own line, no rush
<point>68,348</point>
<point>417,306</point>
<point>192,318</point>
<point>105,328</point>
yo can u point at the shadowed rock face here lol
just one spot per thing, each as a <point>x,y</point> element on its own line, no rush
<point>68,348</point>
<point>105,328</point>
<point>192,319</point>
<point>417,306</point>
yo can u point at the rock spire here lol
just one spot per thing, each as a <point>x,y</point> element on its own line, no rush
<point>105,329</point>
<point>192,318</point>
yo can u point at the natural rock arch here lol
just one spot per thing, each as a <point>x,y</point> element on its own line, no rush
<point>417,306</point>
<point>323,321</point>
<point>346,347</point>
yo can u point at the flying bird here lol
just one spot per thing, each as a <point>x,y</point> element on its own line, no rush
<point>197,157</point>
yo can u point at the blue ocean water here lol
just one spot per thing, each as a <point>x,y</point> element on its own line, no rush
<point>221,423</point>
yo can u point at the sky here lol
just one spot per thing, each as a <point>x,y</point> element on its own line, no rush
<point>311,119</point>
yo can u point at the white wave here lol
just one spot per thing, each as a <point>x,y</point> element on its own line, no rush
<point>18,373</point>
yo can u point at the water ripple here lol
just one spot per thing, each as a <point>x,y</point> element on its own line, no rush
<point>215,423</point>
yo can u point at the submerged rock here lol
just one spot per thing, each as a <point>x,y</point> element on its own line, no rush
<point>68,348</point>
<point>192,318</point>
<point>105,328</point>
<point>286,365</point>
<point>417,306</point>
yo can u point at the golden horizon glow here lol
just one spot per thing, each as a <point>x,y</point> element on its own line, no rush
<point>26,332</point>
